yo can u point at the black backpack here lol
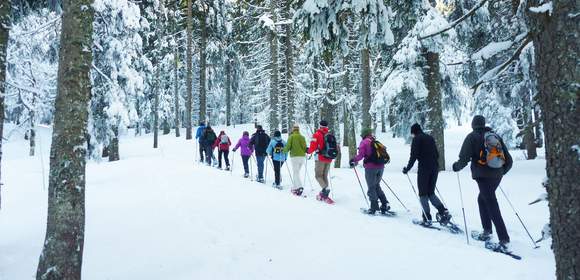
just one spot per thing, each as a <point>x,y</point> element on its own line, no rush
<point>210,136</point>
<point>379,154</point>
<point>330,149</point>
<point>279,147</point>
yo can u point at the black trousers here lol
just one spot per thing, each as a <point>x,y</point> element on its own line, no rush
<point>489,208</point>
<point>245,161</point>
<point>226,159</point>
<point>277,169</point>
<point>201,151</point>
<point>208,154</point>
<point>427,180</point>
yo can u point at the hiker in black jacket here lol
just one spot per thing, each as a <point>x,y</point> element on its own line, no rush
<point>425,151</point>
<point>260,141</point>
<point>487,178</point>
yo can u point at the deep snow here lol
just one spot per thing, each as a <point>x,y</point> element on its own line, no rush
<point>157,215</point>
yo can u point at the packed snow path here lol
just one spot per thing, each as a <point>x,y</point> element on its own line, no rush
<point>157,215</point>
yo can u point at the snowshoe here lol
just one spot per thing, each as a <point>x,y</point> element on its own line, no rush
<point>276,186</point>
<point>374,212</point>
<point>227,168</point>
<point>425,224</point>
<point>246,175</point>
<point>501,247</point>
<point>326,199</point>
<point>260,180</point>
<point>481,236</point>
<point>298,191</point>
<point>385,209</point>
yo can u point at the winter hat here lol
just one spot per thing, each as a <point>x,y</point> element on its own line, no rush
<point>323,123</point>
<point>222,132</point>
<point>277,134</point>
<point>366,132</point>
<point>295,128</point>
<point>416,129</point>
<point>201,123</point>
<point>478,122</point>
<point>259,127</point>
<point>246,133</point>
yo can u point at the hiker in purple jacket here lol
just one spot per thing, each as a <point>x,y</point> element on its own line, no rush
<point>373,172</point>
<point>246,151</point>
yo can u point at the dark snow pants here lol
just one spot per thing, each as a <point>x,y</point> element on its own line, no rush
<point>201,151</point>
<point>208,154</point>
<point>245,161</point>
<point>277,170</point>
<point>260,164</point>
<point>427,181</point>
<point>226,159</point>
<point>375,193</point>
<point>489,208</point>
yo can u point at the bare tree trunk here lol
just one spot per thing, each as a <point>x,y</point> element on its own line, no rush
<point>62,254</point>
<point>348,117</point>
<point>176,91</point>
<point>289,59</point>
<point>529,139</point>
<point>383,121</point>
<point>32,136</point>
<point>156,90</point>
<point>113,148</point>
<point>228,73</point>
<point>189,74</point>
<point>556,41</point>
<point>5,8</point>
<point>202,69</point>
<point>274,122</point>
<point>436,123</point>
<point>366,88</point>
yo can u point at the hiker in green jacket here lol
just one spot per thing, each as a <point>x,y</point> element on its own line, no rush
<point>296,146</point>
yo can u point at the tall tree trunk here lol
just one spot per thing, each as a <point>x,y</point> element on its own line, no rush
<point>383,121</point>
<point>366,88</point>
<point>176,91</point>
<point>348,116</point>
<point>113,148</point>
<point>529,138</point>
<point>62,254</point>
<point>556,41</point>
<point>5,8</point>
<point>228,73</point>
<point>274,122</point>
<point>189,74</point>
<point>202,69</point>
<point>436,123</point>
<point>289,60</point>
<point>156,90</point>
<point>32,137</point>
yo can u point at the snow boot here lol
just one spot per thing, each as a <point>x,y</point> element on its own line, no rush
<point>385,208</point>
<point>246,175</point>
<point>227,168</point>
<point>323,196</point>
<point>504,247</point>
<point>277,186</point>
<point>260,180</point>
<point>483,236</point>
<point>443,217</point>
<point>298,191</point>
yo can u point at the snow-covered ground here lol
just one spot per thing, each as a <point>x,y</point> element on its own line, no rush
<point>157,215</point>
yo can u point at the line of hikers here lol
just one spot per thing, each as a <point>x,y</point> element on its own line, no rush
<point>489,157</point>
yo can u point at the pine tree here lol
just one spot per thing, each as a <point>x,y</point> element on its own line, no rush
<point>5,9</point>
<point>556,41</point>
<point>62,253</point>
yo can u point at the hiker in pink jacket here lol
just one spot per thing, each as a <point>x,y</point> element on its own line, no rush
<point>246,151</point>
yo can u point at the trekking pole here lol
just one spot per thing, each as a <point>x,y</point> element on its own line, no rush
<point>233,160</point>
<point>250,165</point>
<point>462,209</point>
<point>290,174</point>
<point>417,195</point>
<point>517,215</point>
<point>306,175</point>
<point>395,194</point>
<point>361,187</point>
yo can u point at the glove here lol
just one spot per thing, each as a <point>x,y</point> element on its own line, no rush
<point>234,150</point>
<point>456,167</point>
<point>309,157</point>
<point>352,163</point>
<point>405,170</point>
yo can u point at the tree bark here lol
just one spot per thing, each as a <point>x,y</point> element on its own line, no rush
<point>556,41</point>
<point>436,122</point>
<point>156,90</point>
<point>202,68</point>
<point>289,60</point>
<point>5,8</point>
<point>366,88</point>
<point>383,121</point>
<point>176,91</point>
<point>274,122</point>
<point>113,148</point>
<point>228,73</point>
<point>189,74</point>
<point>62,254</point>
<point>32,137</point>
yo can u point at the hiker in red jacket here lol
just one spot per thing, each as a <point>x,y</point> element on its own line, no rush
<point>322,163</point>
<point>223,143</point>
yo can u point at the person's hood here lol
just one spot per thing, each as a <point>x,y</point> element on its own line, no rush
<point>323,129</point>
<point>277,138</point>
<point>246,137</point>
<point>478,122</point>
<point>416,129</point>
